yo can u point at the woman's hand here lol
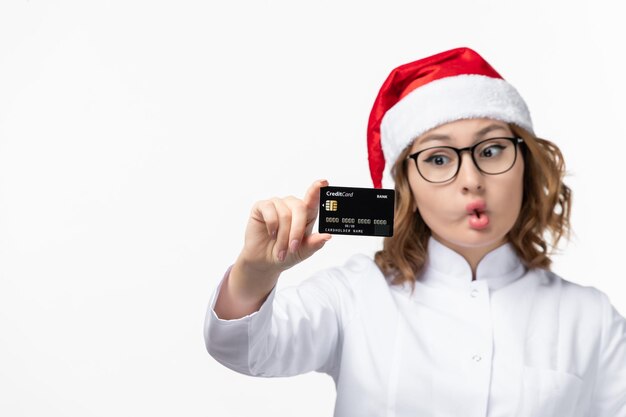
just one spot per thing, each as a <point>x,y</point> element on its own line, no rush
<point>280,234</point>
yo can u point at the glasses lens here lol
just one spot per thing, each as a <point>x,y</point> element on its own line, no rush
<point>495,156</point>
<point>437,164</point>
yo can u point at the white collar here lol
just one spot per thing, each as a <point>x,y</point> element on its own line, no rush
<point>445,267</point>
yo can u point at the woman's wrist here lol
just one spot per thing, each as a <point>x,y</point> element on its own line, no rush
<point>251,283</point>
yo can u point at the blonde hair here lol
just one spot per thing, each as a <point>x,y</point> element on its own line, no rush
<point>545,208</point>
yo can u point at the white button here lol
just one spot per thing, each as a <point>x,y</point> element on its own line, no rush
<point>476,358</point>
<point>474,293</point>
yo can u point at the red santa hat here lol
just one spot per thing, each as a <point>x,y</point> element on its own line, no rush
<point>421,95</point>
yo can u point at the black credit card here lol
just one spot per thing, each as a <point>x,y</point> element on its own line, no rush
<point>356,211</point>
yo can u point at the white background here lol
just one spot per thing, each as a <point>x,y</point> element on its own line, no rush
<point>136,135</point>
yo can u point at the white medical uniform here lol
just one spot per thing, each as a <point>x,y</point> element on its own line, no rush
<point>514,342</point>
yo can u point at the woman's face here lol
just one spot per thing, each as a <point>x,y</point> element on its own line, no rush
<point>473,210</point>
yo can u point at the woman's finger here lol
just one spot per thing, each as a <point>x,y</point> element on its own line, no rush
<point>298,222</point>
<point>284,227</point>
<point>265,213</point>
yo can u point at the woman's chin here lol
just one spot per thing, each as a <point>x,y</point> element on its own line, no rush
<point>472,238</point>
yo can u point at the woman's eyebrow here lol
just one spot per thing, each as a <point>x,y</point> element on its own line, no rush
<point>434,137</point>
<point>482,132</point>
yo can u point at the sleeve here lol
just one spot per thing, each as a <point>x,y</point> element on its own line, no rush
<point>298,329</point>
<point>609,398</point>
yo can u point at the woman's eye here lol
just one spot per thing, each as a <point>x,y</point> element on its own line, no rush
<point>491,151</point>
<point>437,160</point>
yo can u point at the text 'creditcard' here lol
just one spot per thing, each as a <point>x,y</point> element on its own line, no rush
<point>356,211</point>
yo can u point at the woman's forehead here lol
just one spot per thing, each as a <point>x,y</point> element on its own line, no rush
<point>463,130</point>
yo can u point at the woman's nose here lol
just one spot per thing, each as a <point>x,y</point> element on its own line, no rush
<point>469,177</point>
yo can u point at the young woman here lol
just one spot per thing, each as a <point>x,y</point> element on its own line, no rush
<point>458,314</point>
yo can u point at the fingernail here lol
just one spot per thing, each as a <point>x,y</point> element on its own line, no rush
<point>293,246</point>
<point>273,234</point>
<point>281,255</point>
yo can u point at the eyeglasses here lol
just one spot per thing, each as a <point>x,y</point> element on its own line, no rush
<point>491,156</point>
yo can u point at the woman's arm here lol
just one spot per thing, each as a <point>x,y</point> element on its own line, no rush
<point>296,330</point>
<point>241,330</point>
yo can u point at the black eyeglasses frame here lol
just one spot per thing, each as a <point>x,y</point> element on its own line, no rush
<point>516,140</point>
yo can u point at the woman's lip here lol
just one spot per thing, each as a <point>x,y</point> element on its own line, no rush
<point>478,221</point>
<point>476,206</point>
<point>478,218</point>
